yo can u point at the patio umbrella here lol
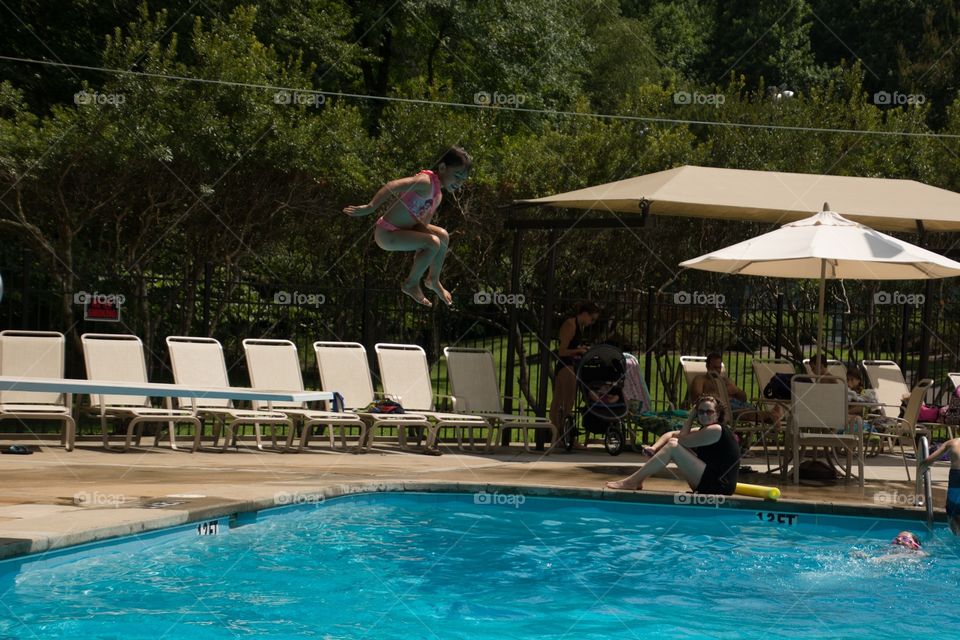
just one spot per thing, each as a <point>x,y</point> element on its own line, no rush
<point>827,245</point>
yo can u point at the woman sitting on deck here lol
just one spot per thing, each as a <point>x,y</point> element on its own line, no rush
<point>707,458</point>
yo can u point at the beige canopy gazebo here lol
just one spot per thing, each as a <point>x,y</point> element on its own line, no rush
<point>769,196</point>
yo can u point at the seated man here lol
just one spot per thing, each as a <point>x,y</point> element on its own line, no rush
<point>704,384</point>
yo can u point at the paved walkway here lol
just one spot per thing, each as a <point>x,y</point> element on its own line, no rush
<point>54,499</point>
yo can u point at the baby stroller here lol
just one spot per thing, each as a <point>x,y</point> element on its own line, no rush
<point>600,376</point>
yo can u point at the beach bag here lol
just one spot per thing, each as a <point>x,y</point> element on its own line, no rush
<point>384,406</point>
<point>779,387</point>
<point>929,413</point>
<point>951,413</point>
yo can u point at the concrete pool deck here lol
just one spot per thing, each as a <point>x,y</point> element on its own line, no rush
<point>54,499</point>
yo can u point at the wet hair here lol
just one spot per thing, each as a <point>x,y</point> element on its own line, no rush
<point>456,157</point>
<point>721,410</point>
<point>586,306</point>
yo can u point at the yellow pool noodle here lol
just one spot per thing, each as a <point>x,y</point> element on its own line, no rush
<point>758,491</point>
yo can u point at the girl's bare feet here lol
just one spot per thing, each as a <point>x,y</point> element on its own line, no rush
<point>435,286</point>
<point>622,485</point>
<point>413,290</point>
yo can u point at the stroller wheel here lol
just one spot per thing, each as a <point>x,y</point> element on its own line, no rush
<point>569,432</point>
<point>613,439</point>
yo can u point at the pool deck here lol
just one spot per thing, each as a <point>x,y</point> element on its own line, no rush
<point>54,499</point>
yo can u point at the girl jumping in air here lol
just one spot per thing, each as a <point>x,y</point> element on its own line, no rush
<point>405,225</point>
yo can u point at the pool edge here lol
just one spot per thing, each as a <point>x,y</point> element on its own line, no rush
<point>158,520</point>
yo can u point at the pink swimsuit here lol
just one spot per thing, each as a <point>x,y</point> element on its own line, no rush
<point>418,206</point>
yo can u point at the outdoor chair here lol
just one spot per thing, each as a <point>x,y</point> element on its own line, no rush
<point>474,389</point>
<point>819,417</point>
<point>119,358</point>
<point>274,365</point>
<point>35,354</point>
<point>835,368</point>
<point>904,430</point>
<point>199,362</point>
<point>886,377</point>
<point>343,366</point>
<point>405,376</point>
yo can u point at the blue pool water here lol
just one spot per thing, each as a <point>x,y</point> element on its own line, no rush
<point>443,566</point>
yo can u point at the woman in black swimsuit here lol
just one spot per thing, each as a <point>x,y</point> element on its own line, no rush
<point>570,350</point>
<point>708,458</point>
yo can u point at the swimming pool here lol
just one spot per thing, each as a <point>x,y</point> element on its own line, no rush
<point>491,566</point>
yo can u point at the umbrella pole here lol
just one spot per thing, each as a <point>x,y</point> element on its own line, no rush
<point>823,283</point>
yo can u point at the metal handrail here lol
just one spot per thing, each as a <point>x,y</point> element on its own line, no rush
<point>926,498</point>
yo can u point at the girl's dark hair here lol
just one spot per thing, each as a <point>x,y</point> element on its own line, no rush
<point>456,157</point>
<point>721,410</point>
<point>586,306</point>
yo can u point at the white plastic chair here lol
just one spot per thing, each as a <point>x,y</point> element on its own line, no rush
<point>119,358</point>
<point>343,366</point>
<point>199,362</point>
<point>473,383</point>
<point>36,354</point>
<point>274,365</point>
<point>406,378</point>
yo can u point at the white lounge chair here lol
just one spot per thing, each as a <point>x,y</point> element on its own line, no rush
<point>35,354</point>
<point>819,417</point>
<point>274,365</point>
<point>474,389</point>
<point>343,366</point>
<point>693,366</point>
<point>835,368</point>
<point>904,431</point>
<point>199,362</point>
<point>886,377</point>
<point>119,358</point>
<point>406,378</point>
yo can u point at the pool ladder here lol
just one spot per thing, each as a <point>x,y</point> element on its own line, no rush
<point>923,481</point>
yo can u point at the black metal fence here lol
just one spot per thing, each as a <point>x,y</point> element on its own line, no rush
<point>659,327</point>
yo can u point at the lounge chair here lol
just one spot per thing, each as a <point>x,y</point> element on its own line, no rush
<point>886,377</point>
<point>904,430</point>
<point>406,378</point>
<point>119,358</point>
<point>819,418</point>
<point>474,389</point>
<point>35,354</point>
<point>693,366</point>
<point>199,362</point>
<point>343,366</point>
<point>274,365</point>
<point>835,368</point>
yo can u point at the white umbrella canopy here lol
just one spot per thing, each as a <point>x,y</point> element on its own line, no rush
<point>827,246</point>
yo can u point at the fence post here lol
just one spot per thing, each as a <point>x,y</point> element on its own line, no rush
<point>546,333</point>
<point>207,284</point>
<point>778,339</point>
<point>925,332</point>
<point>512,332</point>
<point>648,337</point>
<point>904,327</point>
